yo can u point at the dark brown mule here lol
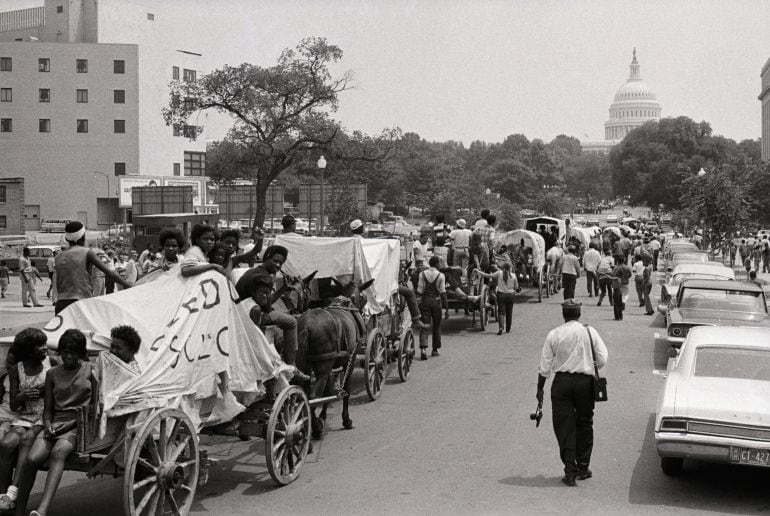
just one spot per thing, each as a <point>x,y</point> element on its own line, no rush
<point>328,339</point>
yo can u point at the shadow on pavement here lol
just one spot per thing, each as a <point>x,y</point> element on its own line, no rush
<point>701,486</point>
<point>537,481</point>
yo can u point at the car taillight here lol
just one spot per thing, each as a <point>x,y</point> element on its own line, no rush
<point>668,424</point>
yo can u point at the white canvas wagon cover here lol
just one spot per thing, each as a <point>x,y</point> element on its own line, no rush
<point>352,257</point>
<point>194,337</point>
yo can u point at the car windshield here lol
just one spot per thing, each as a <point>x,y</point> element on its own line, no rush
<point>742,364</point>
<point>679,278</point>
<point>724,300</point>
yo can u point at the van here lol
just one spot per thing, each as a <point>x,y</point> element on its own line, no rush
<point>53,225</point>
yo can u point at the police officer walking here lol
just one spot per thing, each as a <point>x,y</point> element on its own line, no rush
<point>567,352</point>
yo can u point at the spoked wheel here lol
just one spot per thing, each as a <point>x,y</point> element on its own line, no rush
<point>549,284</point>
<point>162,466</point>
<point>483,304</point>
<point>374,363</point>
<point>288,435</point>
<point>406,350</point>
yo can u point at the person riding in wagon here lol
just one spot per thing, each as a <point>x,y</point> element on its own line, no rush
<point>257,283</point>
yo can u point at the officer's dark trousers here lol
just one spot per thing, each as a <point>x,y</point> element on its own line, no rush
<point>572,401</point>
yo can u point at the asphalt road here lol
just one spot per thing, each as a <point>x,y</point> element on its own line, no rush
<point>456,438</point>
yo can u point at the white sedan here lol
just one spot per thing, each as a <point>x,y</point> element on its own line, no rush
<point>715,403</point>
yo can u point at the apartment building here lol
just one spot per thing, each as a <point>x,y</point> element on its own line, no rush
<point>82,86</point>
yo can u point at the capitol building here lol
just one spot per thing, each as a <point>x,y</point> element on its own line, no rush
<point>634,105</point>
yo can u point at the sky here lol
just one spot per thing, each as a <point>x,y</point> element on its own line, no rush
<point>468,70</point>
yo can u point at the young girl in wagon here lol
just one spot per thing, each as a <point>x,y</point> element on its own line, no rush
<point>26,381</point>
<point>68,387</point>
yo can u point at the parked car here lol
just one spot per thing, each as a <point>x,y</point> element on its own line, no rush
<point>713,303</point>
<point>651,225</point>
<point>39,255</point>
<point>612,219</point>
<point>687,271</point>
<point>715,402</point>
<point>689,256</point>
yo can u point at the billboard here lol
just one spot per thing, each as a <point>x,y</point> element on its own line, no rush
<point>310,198</point>
<point>126,183</point>
<point>197,187</point>
<point>239,202</point>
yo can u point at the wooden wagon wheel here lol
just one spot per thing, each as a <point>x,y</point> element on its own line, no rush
<point>549,280</point>
<point>162,466</point>
<point>288,435</point>
<point>483,304</point>
<point>374,363</point>
<point>406,350</point>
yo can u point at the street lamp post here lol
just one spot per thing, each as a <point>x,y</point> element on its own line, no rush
<point>322,165</point>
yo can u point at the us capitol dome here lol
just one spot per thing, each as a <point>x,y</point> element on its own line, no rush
<point>634,105</point>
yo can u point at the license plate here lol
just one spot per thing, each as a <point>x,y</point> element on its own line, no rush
<point>750,456</point>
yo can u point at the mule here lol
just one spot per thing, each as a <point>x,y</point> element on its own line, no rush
<point>328,338</point>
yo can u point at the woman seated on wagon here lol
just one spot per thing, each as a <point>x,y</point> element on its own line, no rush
<point>28,366</point>
<point>68,387</point>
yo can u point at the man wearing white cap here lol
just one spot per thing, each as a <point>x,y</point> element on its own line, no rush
<point>461,240</point>
<point>357,227</point>
<point>73,268</point>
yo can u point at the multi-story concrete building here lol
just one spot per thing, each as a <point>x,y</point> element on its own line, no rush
<point>11,206</point>
<point>764,98</point>
<point>634,105</point>
<point>82,86</point>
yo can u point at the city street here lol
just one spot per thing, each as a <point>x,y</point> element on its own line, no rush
<point>457,439</point>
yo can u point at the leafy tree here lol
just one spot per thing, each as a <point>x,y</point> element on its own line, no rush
<point>718,202</point>
<point>509,216</point>
<point>281,112</point>
<point>343,207</point>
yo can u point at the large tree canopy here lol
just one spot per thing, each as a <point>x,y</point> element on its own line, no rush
<point>280,112</point>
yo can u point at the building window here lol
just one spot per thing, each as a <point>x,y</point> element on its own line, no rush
<point>119,96</point>
<point>177,169</point>
<point>59,9</point>
<point>175,73</point>
<point>194,163</point>
<point>43,64</point>
<point>81,65</point>
<point>82,126</point>
<point>119,66</point>
<point>6,125</point>
<point>2,191</point>
<point>189,75</point>
<point>44,125</point>
<point>120,169</point>
<point>150,16</point>
<point>44,95</point>
<point>119,126</point>
<point>190,131</point>
<point>81,96</point>
<point>3,222</point>
<point>6,95</point>
<point>6,64</point>
<point>177,130</point>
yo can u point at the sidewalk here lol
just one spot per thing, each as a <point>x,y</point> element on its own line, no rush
<point>14,317</point>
